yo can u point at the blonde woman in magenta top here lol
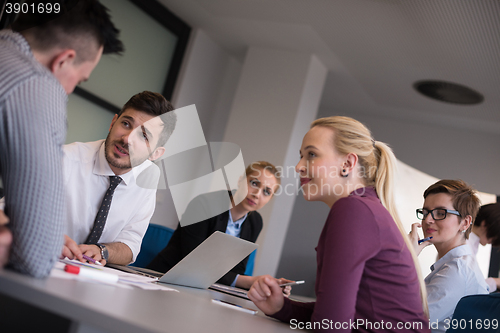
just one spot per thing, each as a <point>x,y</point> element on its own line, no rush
<point>366,279</point>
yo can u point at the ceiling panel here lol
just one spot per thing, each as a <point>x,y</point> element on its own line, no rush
<point>375,49</point>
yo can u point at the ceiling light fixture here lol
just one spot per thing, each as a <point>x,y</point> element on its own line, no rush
<point>448,92</point>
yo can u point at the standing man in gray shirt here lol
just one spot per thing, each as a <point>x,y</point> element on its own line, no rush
<point>42,59</point>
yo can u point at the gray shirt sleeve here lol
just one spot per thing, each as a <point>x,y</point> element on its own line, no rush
<point>33,129</point>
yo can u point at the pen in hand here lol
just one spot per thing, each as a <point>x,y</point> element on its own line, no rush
<point>420,241</point>
<point>92,260</point>
<point>292,283</point>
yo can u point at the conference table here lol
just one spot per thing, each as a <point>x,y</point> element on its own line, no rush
<point>94,308</point>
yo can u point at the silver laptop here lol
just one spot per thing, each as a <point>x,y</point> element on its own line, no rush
<point>208,262</point>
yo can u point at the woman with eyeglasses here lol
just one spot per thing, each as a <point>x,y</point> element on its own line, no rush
<point>449,210</point>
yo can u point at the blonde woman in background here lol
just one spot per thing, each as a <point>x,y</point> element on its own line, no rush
<point>242,221</point>
<point>367,276</point>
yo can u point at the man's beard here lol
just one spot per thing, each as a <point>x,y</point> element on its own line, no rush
<point>108,153</point>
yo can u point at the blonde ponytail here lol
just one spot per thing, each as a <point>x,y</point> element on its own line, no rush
<point>378,163</point>
<point>384,184</point>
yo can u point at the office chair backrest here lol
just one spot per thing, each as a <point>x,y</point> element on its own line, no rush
<point>477,313</point>
<point>250,263</point>
<point>155,240</point>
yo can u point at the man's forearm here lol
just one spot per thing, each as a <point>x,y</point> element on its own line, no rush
<point>119,253</point>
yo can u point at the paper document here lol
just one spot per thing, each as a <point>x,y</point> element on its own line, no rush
<point>125,280</point>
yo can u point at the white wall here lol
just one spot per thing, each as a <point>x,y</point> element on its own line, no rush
<point>208,79</point>
<point>277,97</point>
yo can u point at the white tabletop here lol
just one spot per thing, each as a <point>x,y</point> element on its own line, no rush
<point>106,308</point>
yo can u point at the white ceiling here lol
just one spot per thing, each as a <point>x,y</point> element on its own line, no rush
<point>374,49</point>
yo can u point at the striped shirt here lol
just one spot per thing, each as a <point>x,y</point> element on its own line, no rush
<point>32,132</point>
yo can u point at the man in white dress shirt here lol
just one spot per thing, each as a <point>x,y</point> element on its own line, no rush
<point>136,137</point>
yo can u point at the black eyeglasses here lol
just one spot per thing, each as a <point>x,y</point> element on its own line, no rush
<point>437,214</point>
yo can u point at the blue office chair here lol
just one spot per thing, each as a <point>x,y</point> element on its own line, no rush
<point>155,240</point>
<point>250,263</point>
<point>474,313</point>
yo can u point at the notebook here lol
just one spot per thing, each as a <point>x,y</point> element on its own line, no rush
<point>210,261</point>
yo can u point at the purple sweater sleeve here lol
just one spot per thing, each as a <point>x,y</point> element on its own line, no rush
<point>349,238</point>
<point>299,311</point>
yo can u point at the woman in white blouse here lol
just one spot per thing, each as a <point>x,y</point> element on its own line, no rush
<point>449,210</point>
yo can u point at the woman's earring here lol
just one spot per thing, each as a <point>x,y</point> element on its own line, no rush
<point>344,174</point>
<point>463,231</point>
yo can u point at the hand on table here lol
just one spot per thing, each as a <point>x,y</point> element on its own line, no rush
<point>246,281</point>
<point>71,250</point>
<point>5,239</point>
<point>92,251</point>
<point>413,236</point>
<point>267,295</point>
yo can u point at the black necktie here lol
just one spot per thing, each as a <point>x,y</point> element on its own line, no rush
<point>102,214</point>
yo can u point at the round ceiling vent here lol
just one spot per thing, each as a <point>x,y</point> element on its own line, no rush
<point>448,92</point>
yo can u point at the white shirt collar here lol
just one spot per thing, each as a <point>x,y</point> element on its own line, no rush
<point>459,251</point>
<point>240,221</point>
<point>473,242</point>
